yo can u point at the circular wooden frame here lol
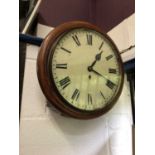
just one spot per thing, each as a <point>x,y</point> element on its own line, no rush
<point>47,83</point>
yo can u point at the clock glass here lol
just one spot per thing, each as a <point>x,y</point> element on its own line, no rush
<point>85,68</point>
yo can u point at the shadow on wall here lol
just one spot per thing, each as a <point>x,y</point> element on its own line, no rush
<point>73,126</point>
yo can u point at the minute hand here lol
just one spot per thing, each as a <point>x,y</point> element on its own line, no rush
<point>98,73</point>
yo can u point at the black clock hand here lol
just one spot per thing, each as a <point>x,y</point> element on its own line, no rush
<point>97,58</point>
<point>97,73</point>
<point>94,62</point>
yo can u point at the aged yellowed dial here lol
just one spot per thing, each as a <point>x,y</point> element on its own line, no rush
<point>85,69</point>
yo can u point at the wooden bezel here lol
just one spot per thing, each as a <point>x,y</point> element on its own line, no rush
<point>47,84</point>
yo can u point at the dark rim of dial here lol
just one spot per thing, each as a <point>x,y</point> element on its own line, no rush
<point>47,82</point>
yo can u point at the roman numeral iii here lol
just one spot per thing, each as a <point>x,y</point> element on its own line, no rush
<point>76,40</point>
<point>111,70</point>
<point>64,82</point>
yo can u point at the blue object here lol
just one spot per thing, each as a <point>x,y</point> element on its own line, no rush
<point>129,65</point>
<point>30,39</point>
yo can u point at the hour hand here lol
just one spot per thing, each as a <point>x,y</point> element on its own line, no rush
<point>98,56</point>
<point>94,62</point>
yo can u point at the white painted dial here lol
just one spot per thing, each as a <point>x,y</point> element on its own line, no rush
<point>85,69</point>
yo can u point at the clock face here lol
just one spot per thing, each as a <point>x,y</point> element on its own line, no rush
<point>84,67</point>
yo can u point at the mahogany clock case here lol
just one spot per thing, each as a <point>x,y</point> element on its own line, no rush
<point>46,80</point>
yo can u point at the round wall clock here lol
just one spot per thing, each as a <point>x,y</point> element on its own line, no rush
<point>80,70</point>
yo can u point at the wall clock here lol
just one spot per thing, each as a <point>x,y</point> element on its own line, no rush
<point>80,70</point>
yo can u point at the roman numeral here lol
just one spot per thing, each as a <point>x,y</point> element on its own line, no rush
<point>64,82</point>
<point>75,38</point>
<point>89,39</point>
<point>111,70</point>
<point>110,84</point>
<point>102,95</point>
<point>101,45</point>
<point>65,50</point>
<point>76,94</point>
<point>109,57</point>
<point>61,66</point>
<point>90,101</point>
